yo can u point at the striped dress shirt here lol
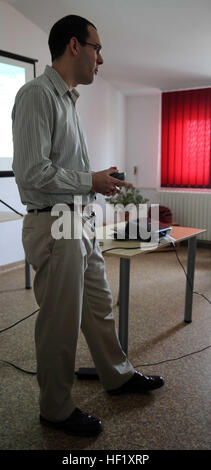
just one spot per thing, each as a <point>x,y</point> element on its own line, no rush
<point>50,162</point>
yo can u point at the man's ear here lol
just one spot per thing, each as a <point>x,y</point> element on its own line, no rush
<point>74,46</point>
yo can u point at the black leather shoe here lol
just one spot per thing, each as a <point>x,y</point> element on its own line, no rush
<point>139,383</point>
<point>78,424</point>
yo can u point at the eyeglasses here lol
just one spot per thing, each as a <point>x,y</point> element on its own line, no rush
<point>97,47</point>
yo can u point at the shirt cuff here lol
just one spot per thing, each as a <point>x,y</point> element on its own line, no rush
<point>86,182</point>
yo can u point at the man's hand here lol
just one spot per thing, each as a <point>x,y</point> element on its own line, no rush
<point>105,184</point>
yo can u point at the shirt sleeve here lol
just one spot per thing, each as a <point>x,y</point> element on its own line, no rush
<point>33,127</point>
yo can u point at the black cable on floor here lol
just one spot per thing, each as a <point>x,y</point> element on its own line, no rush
<point>19,321</point>
<point>174,358</point>
<point>135,367</point>
<point>8,328</point>
<point>18,368</point>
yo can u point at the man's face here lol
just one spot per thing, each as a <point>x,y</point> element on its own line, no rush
<point>89,59</point>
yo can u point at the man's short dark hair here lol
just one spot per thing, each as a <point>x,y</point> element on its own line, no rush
<point>63,30</point>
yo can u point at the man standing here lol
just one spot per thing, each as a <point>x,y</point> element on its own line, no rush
<point>51,166</point>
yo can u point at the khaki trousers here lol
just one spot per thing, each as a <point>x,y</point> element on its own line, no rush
<point>72,292</point>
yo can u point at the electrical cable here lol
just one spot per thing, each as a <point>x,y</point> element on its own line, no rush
<point>12,208</point>
<point>121,248</point>
<point>173,245</point>
<point>19,321</point>
<point>8,328</point>
<point>25,318</point>
<point>18,368</point>
<point>195,292</point>
<point>174,358</point>
<point>188,280</point>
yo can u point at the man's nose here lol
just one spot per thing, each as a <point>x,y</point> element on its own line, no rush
<point>99,59</point>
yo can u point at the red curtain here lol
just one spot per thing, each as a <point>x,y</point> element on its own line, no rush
<point>186,138</point>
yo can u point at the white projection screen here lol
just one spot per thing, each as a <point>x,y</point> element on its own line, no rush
<point>15,71</point>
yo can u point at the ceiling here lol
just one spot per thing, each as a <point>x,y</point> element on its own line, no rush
<point>148,45</point>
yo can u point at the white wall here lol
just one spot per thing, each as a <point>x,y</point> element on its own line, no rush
<point>102,111</point>
<point>143,142</point>
<point>100,106</point>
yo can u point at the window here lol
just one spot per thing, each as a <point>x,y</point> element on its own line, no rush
<point>186,139</point>
<point>15,71</point>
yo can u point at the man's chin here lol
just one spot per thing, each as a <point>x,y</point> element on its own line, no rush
<point>87,81</point>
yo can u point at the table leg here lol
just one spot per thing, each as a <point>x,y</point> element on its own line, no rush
<point>124,287</point>
<point>192,242</point>
<point>28,279</point>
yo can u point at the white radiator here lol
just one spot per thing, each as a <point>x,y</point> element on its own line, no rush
<point>190,209</point>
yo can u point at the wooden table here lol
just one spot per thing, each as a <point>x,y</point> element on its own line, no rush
<point>7,217</point>
<point>125,255</point>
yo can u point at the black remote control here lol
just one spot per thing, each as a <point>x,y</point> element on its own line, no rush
<point>119,176</point>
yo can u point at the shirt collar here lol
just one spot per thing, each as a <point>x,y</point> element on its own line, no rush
<point>74,95</point>
<point>60,85</point>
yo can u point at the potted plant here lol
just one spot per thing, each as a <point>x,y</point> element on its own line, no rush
<point>127,197</point>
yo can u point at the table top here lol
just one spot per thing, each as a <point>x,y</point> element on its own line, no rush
<point>8,216</point>
<point>127,249</point>
<point>123,249</point>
